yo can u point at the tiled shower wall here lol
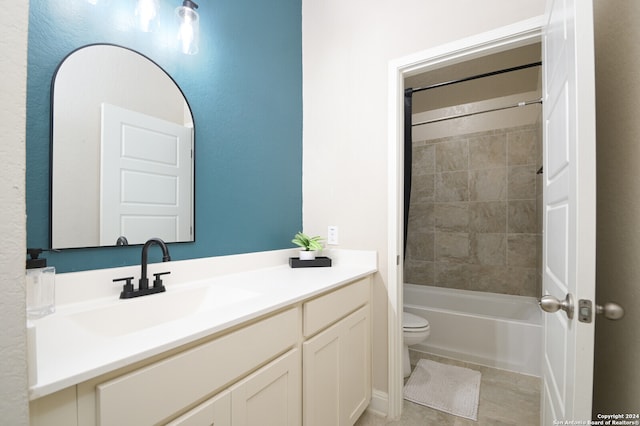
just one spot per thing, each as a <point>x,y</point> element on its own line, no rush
<point>473,218</point>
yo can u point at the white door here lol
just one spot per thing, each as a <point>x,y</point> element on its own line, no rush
<point>145,178</point>
<point>569,207</point>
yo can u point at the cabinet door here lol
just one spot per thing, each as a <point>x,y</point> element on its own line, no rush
<point>337,372</point>
<point>270,396</point>
<point>321,378</point>
<point>214,412</point>
<point>355,369</point>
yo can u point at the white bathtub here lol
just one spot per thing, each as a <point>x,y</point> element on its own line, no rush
<point>496,330</point>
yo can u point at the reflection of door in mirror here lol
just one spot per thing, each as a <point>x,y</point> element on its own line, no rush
<point>87,78</point>
<point>145,165</point>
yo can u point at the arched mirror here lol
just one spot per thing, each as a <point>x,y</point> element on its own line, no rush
<point>122,139</point>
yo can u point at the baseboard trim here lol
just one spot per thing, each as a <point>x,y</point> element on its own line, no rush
<point>379,403</point>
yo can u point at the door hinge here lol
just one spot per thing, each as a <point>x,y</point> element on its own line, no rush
<point>398,260</point>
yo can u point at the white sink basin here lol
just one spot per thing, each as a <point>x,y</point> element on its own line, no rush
<point>132,315</point>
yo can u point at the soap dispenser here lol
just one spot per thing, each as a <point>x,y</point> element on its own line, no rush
<point>40,286</point>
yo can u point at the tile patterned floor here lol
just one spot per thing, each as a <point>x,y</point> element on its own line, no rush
<point>505,399</point>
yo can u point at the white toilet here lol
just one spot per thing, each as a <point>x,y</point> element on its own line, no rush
<point>415,329</point>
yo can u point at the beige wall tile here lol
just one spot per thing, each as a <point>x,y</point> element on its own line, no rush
<point>419,272</point>
<point>488,249</point>
<point>521,281</point>
<point>487,184</point>
<point>522,250</point>
<point>518,281</point>
<point>522,182</point>
<point>420,246</point>
<point>452,186</point>
<point>424,160</point>
<point>522,217</point>
<point>451,275</point>
<point>423,188</point>
<point>467,193</point>
<point>452,217</point>
<point>522,147</point>
<point>488,151</point>
<point>488,217</point>
<point>491,278</point>
<point>421,218</point>
<point>452,246</point>
<point>452,156</point>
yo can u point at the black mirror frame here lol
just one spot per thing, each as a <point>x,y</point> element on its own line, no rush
<point>51,113</point>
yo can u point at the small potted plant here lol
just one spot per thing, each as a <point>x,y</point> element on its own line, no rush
<point>309,244</point>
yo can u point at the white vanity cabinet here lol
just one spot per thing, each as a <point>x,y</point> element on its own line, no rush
<point>337,356</point>
<point>306,363</point>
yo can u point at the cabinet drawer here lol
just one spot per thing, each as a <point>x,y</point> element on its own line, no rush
<point>325,310</point>
<point>155,392</point>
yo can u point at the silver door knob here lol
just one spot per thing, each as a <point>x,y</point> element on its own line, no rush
<point>549,303</point>
<point>610,310</point>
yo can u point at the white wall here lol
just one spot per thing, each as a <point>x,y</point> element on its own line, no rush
<point>347,46</point>
<point>13,88</point>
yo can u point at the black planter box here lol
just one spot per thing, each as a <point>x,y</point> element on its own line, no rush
<point>319,261</point>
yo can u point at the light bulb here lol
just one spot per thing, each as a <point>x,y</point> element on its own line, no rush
<point>146,13</point>
<point>189,31</point>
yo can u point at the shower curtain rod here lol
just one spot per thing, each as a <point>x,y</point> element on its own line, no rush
<point>474,77</point>
<point>469,114</point>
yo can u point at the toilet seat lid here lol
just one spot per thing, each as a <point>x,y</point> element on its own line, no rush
<point>410,320</point>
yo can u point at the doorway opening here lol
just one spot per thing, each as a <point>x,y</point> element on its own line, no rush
<point>473,202</point>
<point>473,232</point>
<point>450,62</point>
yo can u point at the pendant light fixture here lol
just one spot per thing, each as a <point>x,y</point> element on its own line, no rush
<point>189,27</point>
<point>146,14</point>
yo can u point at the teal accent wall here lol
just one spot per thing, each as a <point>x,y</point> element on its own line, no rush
<point>245,90</point>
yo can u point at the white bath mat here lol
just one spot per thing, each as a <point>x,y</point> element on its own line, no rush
<point>454,390</point>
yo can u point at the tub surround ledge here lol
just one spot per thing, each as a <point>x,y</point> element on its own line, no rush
<point>204,297</point>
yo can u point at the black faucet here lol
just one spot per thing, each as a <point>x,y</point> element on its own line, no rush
<point>143,283</point>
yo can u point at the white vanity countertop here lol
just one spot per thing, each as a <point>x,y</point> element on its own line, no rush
<point>87,338</point>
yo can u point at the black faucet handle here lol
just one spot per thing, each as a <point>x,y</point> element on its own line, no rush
<point>157,282</point>
<point>127,288</point>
